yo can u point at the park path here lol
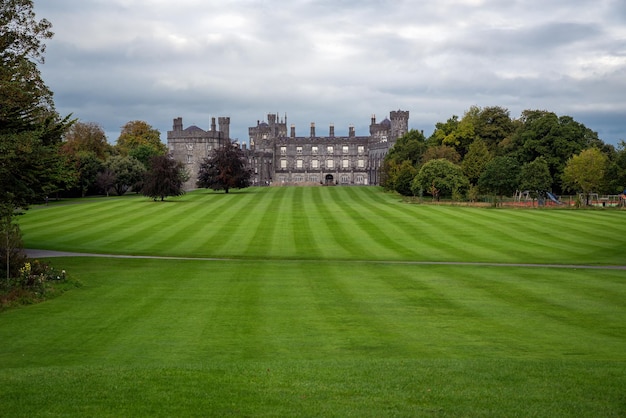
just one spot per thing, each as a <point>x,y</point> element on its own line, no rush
<point>34,253</point>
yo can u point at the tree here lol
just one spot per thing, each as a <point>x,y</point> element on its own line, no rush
<point>441,151</point>
<point>105,180</point>
<point>556,138</point>
<point>440,178</point>
<point>87,167</point>
<point>165,177</point>
<point>535,177</point>
<point>584,172</point>
<point>475,160</point>
<point>138,133</point>
<point>30,128</point>
<point>88,137</point>
<point>409,146</point>
<point>144,153</point>
<point>226,168</point>
<point>127,171</point>
<point>500,176</point>
<point>616,170</point>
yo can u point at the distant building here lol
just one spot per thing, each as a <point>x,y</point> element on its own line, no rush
<point>279,157</point>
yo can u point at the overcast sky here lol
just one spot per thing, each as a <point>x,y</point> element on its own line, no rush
<point>335,61</point>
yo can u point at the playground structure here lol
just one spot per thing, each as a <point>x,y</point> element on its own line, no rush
<point>610,200</point>
<point>524,198</point>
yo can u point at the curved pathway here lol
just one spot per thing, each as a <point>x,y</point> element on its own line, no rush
<point>33,253</point>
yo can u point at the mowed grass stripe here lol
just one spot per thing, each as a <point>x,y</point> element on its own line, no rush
<point>394,234</point>
<point>303,219</point>
<point>232,234</point>
<point>339,235</point>
<point>79,222</point>
<point>224,223</point>
<point>379,230</point>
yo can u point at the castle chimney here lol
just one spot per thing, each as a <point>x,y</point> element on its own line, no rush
<point>332,130</point>
<point>351,131</point>
<point>312,129</point>
<point>293,131</point>
<point>373,119</point>
<point>213,125</point>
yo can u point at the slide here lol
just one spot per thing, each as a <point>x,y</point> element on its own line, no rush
<point>554,198</point>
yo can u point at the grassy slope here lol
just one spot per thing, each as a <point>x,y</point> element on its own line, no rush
<point>321,337</point>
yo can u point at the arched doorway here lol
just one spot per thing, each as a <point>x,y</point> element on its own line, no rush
<point>330,180</point>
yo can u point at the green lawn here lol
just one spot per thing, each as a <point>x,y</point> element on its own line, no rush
<point>327,223</point>
<point>314,315</point>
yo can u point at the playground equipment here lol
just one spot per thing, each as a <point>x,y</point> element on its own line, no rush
<point>554,198</point>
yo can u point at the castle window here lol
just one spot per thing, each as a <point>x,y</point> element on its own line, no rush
<point>359,180</point>
<point>345,163</point>
<point>298,179</point>
<point>299,164</point>
<point>330,164</point>
<point>330,149</point>
<point>314,179</point>
<point>189,159</point>
<point>283,163</point>
<point>314,150</point>
<point>361,163</point>
<point>283,150</point>
<point>361,149</point>
<point>345,149</point>
<point>345,179</point>
<point>315,163</point>
<point>298,150</point>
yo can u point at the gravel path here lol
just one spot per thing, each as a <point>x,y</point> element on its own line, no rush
<point>33,253</point>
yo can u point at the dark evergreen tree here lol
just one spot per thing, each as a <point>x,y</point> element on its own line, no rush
<point>226,168</point>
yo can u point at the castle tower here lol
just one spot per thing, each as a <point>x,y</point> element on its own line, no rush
<point>399,123</point>
<point>224,126</point>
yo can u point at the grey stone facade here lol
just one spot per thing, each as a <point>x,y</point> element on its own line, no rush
<point>280,157</point>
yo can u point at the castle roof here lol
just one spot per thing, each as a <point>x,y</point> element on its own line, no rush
<point>386,122</point>
<point>193,128</point>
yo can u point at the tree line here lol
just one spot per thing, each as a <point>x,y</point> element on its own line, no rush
<point>489,152</point>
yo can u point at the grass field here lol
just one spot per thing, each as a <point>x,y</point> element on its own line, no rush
<point>316,312</point>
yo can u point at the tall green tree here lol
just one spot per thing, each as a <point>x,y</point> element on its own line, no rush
<point>616,170</point>
<point>585,171</point>
<point>535,177</point>
<point>137,134</point>
<point>500,176</point>
<point>30,128</point>
<point>164,178</point>
<point>555,138</point>
<point>224,169</point>
<point>475,161</point>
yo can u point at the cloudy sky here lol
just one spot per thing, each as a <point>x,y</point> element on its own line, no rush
<point>335,61</point>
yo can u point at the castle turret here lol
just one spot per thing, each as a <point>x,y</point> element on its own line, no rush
<point>224,124</point>
<point>312,129</point>
<point>332,130</point>
<point>399,123</point>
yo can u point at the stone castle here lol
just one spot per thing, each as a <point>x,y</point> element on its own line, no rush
<point>277,156</point>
